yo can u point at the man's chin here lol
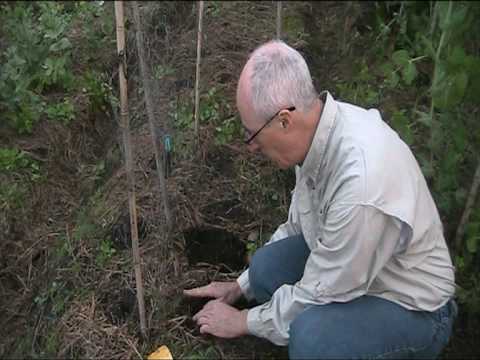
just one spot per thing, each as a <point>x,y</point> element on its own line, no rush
<point>282,165</point>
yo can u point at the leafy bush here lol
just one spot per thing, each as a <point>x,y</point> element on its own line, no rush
<point>12,160</point>
<point>36,60</point>
<point>16,169</point>
<point>425,54</point>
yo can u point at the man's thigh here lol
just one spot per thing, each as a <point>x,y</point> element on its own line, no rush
<point>281,262</point>
<point>367,327</point>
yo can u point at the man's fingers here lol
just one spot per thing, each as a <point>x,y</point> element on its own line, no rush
<point>202,320</point>
<point>202,313</point>
<point>196,292</point>
<point>197,315</point>
<point>211,304</point>
<point>205,329</point>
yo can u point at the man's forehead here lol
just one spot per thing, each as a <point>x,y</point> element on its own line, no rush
<point>243,87</point>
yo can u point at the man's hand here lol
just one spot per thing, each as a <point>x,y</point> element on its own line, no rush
<point>226,292</point>
<point>221,320</point>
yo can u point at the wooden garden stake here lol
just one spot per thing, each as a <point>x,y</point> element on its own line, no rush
<point>279,19</point>
<point>197,75</point>
<point>147,90</point>
<point>119,18</point>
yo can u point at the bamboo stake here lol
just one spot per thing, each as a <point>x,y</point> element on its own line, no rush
<point>472,195</point>
<point>197,75</point>
<point>279,20</point>
<point>147,90</point>
<point>128,161</point>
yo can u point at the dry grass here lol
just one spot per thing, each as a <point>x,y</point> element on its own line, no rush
<point>74,199</point>
<point>87,333</point>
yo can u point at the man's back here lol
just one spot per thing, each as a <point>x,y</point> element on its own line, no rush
<point>366,163</point>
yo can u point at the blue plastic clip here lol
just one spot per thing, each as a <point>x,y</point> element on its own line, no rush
<point>167,141</point>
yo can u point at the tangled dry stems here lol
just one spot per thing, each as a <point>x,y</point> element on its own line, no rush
<point>70,153</point>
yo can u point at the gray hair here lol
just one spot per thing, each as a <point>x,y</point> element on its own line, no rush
<point>280,78</point>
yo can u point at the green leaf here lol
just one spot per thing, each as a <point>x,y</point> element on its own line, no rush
<point>458,17</point>
<point>400,57</point>
<point>426,166</point>
<point>444,15</point>
<point>450,90</point>
<point>460,84</point>
<point>60,45</point>
<point>392,80</point>
<point>400,124</point>
<point>386,68</point>
<point>458,57</point>
<point>436,140</point>
<point>409,73</point>
<point>428,46</point>
<point>459,136</point>
<point>424,118</point>
<point>472,244</point>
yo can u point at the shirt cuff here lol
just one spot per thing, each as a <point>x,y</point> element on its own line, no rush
<point>259,327</point>
<point>254,323</point>
<point>244,284</point>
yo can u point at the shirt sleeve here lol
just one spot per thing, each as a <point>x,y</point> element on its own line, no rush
<point>355,243</point>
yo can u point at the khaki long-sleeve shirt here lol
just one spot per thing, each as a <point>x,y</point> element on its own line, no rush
<point>365,211</point>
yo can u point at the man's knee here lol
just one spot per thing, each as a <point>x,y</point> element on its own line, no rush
<point>258,273</point>
<point>299,346</point>
<point>305,332</point>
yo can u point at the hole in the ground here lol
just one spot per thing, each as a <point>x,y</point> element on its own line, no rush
<point>121,234</point>
<point>120,305</point>
<point>216,247</point>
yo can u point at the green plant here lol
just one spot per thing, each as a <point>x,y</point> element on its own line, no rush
<point>212,8</point>
<point>228,130</point>
<point>36,60</point>
<point>14,161</point>
<point>98,91</point>
<point>105,253</point>
<point>426,52</point>
<point>97,25</point>
<point>63,111</point>
<point>56,295</point>
<point>362,89</point>
<point>215,109</point>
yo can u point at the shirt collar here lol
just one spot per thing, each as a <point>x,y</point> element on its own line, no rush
<point>312,163</point>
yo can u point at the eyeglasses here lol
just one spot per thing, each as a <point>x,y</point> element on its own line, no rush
<point>249,140</point>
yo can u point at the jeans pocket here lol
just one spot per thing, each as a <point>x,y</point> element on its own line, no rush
<point>443,325</point>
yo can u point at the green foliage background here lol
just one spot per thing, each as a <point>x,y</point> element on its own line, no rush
<point>423,72</point>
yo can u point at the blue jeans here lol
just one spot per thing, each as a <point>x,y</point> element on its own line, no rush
<point>366,327</point>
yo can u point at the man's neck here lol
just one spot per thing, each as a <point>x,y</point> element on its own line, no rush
<point>313,119</point>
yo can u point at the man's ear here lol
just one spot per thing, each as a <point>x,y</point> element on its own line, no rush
<point>285,118</point>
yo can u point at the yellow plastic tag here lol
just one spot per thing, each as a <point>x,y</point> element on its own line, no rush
<point>162,353</point>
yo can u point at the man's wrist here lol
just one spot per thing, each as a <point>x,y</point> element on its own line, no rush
<point>237,290</point>
<point>243,319</point>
